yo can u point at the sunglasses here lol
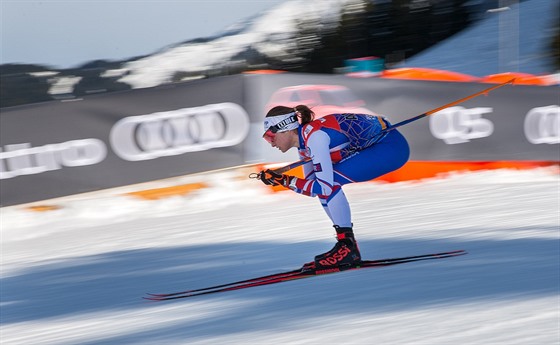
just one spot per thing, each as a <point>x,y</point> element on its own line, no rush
<point>270,134</point>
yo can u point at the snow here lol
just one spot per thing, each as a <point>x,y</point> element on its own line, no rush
<point>270,34</point>
<point>492,45</point>
<point>76,275</point>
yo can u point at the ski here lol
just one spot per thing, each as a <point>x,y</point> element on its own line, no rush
<point>246,281</point>
<point>297,274</point>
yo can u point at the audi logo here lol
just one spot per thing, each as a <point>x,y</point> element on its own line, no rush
<point>179,131</point>
<point>542,125</point>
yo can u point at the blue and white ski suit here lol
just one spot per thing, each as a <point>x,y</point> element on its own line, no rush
<point>346,148</point>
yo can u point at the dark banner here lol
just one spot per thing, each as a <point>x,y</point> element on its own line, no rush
<point>62,148</point>
<point>68,147</point>
<point>511,123</point>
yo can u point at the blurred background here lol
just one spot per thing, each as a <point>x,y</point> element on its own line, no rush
<point>103,68</point>
<point>52,49</point>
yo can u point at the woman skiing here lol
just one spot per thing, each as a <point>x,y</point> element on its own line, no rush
<point>342,148</point>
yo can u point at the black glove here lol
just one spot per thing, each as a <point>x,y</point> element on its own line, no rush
<point>271,178</point>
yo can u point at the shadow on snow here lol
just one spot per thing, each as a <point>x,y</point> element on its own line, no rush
<point>116,281</point>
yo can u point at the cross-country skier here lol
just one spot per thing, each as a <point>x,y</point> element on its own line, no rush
<point>343,148</point>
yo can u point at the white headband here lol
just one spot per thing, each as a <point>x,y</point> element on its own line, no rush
<point>282,123</point>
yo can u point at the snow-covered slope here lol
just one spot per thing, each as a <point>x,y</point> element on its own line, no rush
<point>76,275</point>
<point>270,34</point>
<point>508,40</point>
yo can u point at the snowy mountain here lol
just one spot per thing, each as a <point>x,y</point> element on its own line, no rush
<point>513,38</point>
<point>316,36</point>
<point>271,34</point>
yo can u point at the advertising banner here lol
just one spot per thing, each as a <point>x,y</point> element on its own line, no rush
<point>514,122</point>
<point>61,148</point>
<point>108,140</point>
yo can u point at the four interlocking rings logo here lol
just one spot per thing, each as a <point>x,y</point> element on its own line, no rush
<point>542,125</point>
<point>179,131</point>
<point>175,132</point>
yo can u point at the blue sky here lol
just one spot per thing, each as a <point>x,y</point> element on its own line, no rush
<point>68,33</point>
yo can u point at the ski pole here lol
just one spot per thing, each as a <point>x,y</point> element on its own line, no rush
<point>430,112</point>
<point>293,165</point>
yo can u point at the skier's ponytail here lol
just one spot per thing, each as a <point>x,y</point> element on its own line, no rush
<point>304,113</point>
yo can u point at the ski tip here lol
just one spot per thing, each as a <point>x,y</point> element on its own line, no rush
<point>165,295</point>
<point>156,295</point>
<point>451,253</point>
<point>149,298</point>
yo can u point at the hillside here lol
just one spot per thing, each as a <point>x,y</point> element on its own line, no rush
<point>317,42</point>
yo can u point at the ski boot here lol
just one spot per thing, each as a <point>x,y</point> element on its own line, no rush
<point>344,253</point>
